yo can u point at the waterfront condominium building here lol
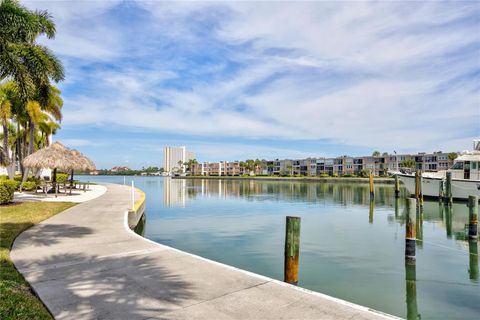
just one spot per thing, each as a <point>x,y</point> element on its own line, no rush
<point>174,159</point>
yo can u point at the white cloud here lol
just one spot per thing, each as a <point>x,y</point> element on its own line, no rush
<point>372,74</point>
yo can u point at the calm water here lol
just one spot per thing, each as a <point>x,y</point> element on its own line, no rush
<point>350,249</point>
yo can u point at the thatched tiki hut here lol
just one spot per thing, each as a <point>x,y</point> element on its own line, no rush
<point>82,164</point>
<point>56,156</point>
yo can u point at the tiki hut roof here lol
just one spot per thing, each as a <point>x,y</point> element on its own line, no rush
<point>85,163</point>
<point>59,157</point>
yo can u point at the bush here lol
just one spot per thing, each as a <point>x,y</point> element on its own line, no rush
<point>29,186</point>
<point>61,177</point>
<point>364,173</point>
<point>11,183</point>
<point>348,175</point>
<point>324,175</point>
<point>335,175</point>
<point>7,188</point>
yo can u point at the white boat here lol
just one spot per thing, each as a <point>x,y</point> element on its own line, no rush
<point>465,177</point>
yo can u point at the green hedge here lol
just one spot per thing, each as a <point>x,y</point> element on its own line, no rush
<point>7,188</point>
<point>29,185</point>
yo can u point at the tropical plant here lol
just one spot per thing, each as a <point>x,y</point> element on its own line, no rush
<point>452,156</point>
<point>408,163</point>
<point>28,68</point>
<point>28,63</point>
<point>376,154</point>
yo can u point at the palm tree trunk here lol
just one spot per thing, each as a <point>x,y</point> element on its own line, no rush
<point>31,144</point>
<point>6,151</point>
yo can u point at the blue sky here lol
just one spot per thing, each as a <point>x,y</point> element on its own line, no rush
<point>237,80</point>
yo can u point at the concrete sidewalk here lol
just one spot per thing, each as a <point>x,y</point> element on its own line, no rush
<point>86,264</point>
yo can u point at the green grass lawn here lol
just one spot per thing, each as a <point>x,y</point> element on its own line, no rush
<point>17,300</point>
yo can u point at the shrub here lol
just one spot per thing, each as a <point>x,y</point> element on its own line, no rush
<point>61,177</point>
<point>29,186</point>
<point>324,175</point>
<point>348,175</point>
<point>7,189</point>
<point>335,175</point>
<point>11,183</point>
<point>364,173</point>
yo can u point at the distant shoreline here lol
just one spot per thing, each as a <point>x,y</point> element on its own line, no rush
<point>381,180</point>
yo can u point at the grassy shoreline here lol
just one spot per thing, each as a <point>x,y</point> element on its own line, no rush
<point>17,298</point>
<point>380,180</point>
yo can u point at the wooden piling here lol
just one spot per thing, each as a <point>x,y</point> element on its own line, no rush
<point>418,187</point>
<point>441,190</point>
<point>397,187</point>
<point>448,189</point>
<point>292,249</point>
<point>473,217</point>
<point>372,193</point>
<point>410,229</point>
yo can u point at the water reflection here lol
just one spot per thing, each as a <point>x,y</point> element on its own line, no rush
<point>241,223</point>
<point>411,290</point>
<point>473,260</point>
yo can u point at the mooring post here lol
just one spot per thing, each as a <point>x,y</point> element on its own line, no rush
<point>418,187</point>
<point>397,187</point>
<point>410,229</point>
<point>448,189</point>
<point>472,217</point>
<point>473,259</point>
<point>411,289</point>
<point>372,194</point>
<point>292,250</point>
<point>441,190</point>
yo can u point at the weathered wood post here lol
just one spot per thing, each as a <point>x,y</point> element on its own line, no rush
<point>448,189</point>
<point>372,193</point>
<point>411,289</point>
<point>473,259</point>
<point>473,217</point>
<point>292,250</point>
<point>418,187</point>
<point>397,187</point>
<point>441,190</point>
<point>410,229</point>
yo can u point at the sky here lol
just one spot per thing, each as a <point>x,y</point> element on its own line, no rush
<point>238,80</point>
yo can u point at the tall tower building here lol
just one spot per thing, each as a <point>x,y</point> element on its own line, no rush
<point>174,159</point>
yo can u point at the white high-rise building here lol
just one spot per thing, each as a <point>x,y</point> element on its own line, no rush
<point>174,159</point>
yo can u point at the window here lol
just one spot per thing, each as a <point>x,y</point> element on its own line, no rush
<point>458,166</point>
<point>474,165</point>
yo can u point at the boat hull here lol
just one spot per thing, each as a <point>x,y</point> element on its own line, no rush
<point>461,189</point>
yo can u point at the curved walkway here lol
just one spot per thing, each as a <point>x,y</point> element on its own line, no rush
<point>86,264</point>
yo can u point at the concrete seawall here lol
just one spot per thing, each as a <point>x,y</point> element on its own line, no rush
<point>86,263</point>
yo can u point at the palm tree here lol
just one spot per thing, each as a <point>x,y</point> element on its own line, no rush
<point>376,154</point>
<point>29,64</point>
<point>5,115</point>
